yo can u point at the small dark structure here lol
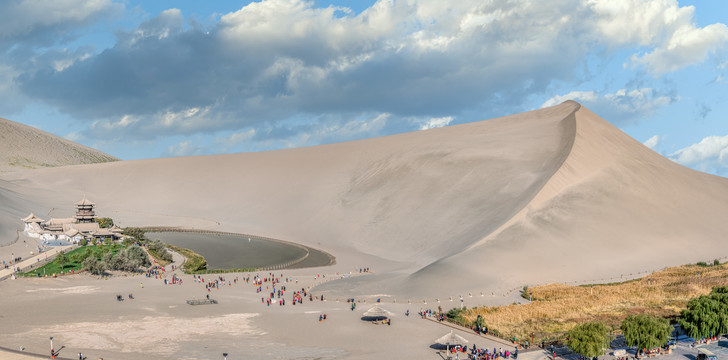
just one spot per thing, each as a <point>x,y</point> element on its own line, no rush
<point>202,302</point>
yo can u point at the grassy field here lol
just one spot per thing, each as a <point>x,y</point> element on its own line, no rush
<point>74,262</point>
<point>195,262</point>
<point>556,308</point>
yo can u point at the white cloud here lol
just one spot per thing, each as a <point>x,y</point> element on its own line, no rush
<point>64,63</point>
<point>653,142</point>
<point>639,101</point>
<point>124,122</point>
<point>710,154</point>
<point>184,148</point>
<point>340,131</point>
<point>168,22</point>
<point>73,136</point>
<point>621,107</point>
<point>29,30</point>
<point>688,46</point>
<point>323,131</point>
<point>235,140</point>
<point>184,121</point>
<point>436,122</point>
<point>578,96</point>
<point>662,26</point>
<point>277,60</point>
<point>32,21</point>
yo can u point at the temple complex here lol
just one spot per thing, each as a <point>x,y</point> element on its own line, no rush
<point>82,226</point>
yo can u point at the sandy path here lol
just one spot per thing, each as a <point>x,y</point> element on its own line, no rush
<point>26,263</point>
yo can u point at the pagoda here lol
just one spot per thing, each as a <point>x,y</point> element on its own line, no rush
<point>85,211</point>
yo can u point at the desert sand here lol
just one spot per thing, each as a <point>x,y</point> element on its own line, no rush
<point>23,146</point>
<point>475,211</point>
<point>81,313</point>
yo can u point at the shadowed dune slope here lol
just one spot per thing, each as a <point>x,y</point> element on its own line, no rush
<point>23,146</point>
<point>550,195</point>
<point>614,208</point>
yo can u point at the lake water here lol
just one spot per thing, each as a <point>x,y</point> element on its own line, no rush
<point>230,251</point>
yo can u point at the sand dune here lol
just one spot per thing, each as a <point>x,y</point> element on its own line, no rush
<point>554,194</point>
<point>614,208</point>
<point>23,146</point>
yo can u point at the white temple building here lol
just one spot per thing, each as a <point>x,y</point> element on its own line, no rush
<point>75,229</point>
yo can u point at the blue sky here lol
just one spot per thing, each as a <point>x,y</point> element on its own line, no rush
<point>145,79</point>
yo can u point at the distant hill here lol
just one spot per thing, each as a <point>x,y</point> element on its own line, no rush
<point>22,146</point>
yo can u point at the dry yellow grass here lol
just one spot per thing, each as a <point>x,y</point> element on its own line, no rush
<point>556,308</point>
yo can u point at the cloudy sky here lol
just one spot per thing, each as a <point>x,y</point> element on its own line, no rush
<point>173,78</point>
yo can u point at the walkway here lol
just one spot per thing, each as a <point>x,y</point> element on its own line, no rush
<point>35,260</point>
<point>719,348</point>
<point>470,331</point>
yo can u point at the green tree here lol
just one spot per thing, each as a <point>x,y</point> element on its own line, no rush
<point>62,260</point>
<point>105,222</point>
<point>706,315</point>
<point>136,254</point>
<point>79,257</point>
<point>645,331</point>
<point>158,249</point>
<point>589,339</point>
<point>131,259</point>
<point>115,261</point>
<point>136,233</point>
<point>94,266</point>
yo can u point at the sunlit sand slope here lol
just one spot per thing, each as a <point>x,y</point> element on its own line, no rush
<point>23,146</point>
